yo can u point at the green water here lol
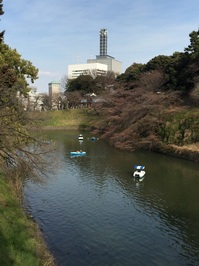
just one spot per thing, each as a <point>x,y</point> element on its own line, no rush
<point>93,212</point>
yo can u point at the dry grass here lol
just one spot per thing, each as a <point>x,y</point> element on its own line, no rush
<point>191,147</point>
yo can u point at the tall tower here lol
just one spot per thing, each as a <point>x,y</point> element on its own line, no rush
<point>103,42</point>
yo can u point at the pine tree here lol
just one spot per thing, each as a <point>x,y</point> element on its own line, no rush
<point>1,13</point>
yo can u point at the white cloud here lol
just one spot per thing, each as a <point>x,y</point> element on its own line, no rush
<point>48,74</point>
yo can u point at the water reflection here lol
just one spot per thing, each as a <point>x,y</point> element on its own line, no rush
<point>95,213</point>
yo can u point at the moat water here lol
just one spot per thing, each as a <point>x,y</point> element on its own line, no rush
<point>93,212</point>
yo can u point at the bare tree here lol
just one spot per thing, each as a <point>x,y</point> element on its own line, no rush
<point>152,80</point>
<point>63,83</point>
<point>46,102</point>
<point>21,154</point>
<point>74,99</point>
<point>132,117</point>
<point>92,73</point>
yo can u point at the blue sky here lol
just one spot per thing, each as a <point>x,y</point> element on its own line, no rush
<point>53,34</point>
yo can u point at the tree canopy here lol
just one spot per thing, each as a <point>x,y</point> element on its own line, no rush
<point>90,83</point>
<point>180,70</point>
<point>1,13</point>
<point>17,154</point>
<point>193,47</point>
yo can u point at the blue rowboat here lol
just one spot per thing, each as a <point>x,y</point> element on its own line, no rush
<point>77,153</point>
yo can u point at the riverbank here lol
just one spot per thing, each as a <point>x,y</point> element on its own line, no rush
<point>71,118</point>
<point>189,152</point>
<point>21,242</point>
<point>85,119</point>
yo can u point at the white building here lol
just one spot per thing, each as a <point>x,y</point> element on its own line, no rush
<point>103,58</point>
<point>32,101</point>
<point>54,87</point>
<point>100,65</point>
<point>92,69</point>
<point>113,65</point>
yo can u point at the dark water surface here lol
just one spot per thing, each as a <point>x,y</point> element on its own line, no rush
<point>93,212</point>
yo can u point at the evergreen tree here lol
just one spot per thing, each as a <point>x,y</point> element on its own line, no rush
<point>193,48</point>
<point>1,13</point>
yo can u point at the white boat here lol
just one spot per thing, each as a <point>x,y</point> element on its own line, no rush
<point>80,137</point>
<point>139,171</point>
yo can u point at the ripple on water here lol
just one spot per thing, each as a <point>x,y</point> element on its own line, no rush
<point>93,213</point>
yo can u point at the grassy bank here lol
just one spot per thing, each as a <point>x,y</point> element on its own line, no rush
<point>21,243</point>
<point>72,118</point>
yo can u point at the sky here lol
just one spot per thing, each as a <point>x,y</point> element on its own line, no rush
<point>54,34</point>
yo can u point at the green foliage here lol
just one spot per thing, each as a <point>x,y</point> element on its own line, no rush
<point>11,60</point>
<point>20,243</point>
<point>13,66</point>
<point>1,13</point>
<point>86,84</point>
<point>14,134</point>
<point>14,72</point>
<point>71,118</point>
<point>1,8</point>
<point>83,83</point>
<point>159,62</point>
<point>193,48</point>
<point>178,75</point>
<point>180,128</point>
<point>180,70</point>
<point>131,73</point>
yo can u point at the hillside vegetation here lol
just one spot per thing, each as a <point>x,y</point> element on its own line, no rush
<point>173,131</point>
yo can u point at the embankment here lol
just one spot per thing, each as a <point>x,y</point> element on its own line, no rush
<point>21,242</point>
<point>72,118</point>
<point>86,119</point>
